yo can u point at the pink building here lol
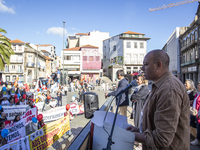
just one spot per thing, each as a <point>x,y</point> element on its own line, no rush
<point>91,63</point>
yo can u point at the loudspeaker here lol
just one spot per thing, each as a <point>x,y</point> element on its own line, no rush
<point>129,78</point>
<point>91,104</point>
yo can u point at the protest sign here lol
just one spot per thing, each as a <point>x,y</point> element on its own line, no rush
<point>53,114</point>
<point>39,105</point>
<point>47,135</point>
<point>21,144</point>
<point>76,109</point>
<point>12,111</point>
<point>16,131</point>
<point>29,115</point>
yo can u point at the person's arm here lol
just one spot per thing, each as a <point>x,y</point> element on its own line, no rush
<point>166,119</point>
<point>119,88</point>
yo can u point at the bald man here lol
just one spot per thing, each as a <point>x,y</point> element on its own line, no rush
<point>165,120</point>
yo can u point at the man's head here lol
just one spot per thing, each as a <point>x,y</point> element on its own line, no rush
<point>3,115</point>
<point>120,74</point>
<point>155,64</point>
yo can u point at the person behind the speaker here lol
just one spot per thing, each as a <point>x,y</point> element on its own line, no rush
<point>165,119</point>
<point>124,101</point>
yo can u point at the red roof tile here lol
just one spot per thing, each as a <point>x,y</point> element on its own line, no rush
<point>43,45</point>
<point>44,51</point>
<point>72,49</point>
<point>130,32</point>
<point>16,41</point>
<point>89,46</point>
<point>81,34</point>
<point>48,57</point>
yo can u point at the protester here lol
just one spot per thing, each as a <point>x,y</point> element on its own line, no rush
<point>72,86</point>
<point>138,98</point>
<point>59,98</point>
<point>3,117</point>
<point>70,117</point>
<point>124,101</point>
<point>30,105</point>
<point>65,90</point>
<point>17,118</point>
<point>12,102</point>
<point>3,141</point>
<point>194,120</point>
<point>191,90</point>
<point>53,103</point>
<point>165,117</point>
<point>22,102</point>
<point>5,102</point>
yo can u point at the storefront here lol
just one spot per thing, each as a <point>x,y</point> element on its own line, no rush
<point>190,72</point>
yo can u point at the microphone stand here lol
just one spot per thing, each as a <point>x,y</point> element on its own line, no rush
<point>110,142</point>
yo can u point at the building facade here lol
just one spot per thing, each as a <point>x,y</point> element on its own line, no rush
<point>124,51</point>
<point>91,63</point>
<point>190,53</point>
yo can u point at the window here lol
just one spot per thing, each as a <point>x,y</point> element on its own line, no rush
<point>114,48</point>
<point>76,58</point>
<point>135,44</point>
<point>7,78</point>
<point>91,58</point>
<point>30,58</point>
<point>20,47</point>
<point>141,57</point>
<point>141,44</point>
<point>97,58</point>
<point>136,36</point>
<point>128,45</point>
<point>104,56</point>
<point>14,47</point>
<point>19,68</point>
<point>135,58</point>
<point>13,66</point>
<point>84,58</point>
<point>128,58</point>
<point>68,57</point>
<point>195,35</point>
<point>14,77</point>
<point>128,67</point>
<point>135,67</point>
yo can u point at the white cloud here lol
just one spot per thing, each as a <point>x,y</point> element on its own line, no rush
<point>56,31</point>
<point>37,32</point>
<point>74,29</point>
<point>4,8</point>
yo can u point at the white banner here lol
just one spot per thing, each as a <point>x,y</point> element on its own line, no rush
<point>21,144</point>
<point>29,115</point>
<point>16,131</point>
<point>76,109</point>
<point>53,114</point>
<point>40,105</point>
<point>12,111</point>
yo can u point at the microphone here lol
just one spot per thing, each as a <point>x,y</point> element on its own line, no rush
<point>133,83</point>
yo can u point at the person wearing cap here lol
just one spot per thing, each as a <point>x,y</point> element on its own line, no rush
<point>70,117</point>
<point>22,102</point>
<point>53,103</point>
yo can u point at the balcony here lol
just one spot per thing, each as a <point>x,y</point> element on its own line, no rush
<point>133,62</point>
<point>190,44</point>
<point>19,71</point>
<point>6,70</point>
<point>16,60</point>
<point>30,64</point>
<point>188,63</point>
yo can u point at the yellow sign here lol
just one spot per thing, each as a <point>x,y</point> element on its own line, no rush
<point>4,93</point>
<point>47,135</point>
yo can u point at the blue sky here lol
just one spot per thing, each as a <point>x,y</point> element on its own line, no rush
<point>40,21</point>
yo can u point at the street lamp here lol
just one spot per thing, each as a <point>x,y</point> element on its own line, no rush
<point>63,50</point>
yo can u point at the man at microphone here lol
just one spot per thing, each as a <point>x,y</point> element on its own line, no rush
<point>165,119</point>
<point>124,101</point>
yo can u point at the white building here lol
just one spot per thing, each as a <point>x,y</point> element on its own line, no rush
<point>124,51</point>
<point>51,49</point>
<point>71,58</point>
<point>172,49</point>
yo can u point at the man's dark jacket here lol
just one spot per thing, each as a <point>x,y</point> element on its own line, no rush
<point>124,101</point>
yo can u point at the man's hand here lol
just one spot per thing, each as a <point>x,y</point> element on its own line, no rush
<point>191,102</point>
<point>132,129</point>
<point>134,100</point>
<point>106,95</point>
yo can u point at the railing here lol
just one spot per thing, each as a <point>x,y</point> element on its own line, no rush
<point>20,71</point>
<point>132,62</point>
<point>6,70</point>
<point>16,61</point>
<point>83,139</point>
<point>30,64</point>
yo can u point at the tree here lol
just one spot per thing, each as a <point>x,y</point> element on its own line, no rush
<point>5,50</point>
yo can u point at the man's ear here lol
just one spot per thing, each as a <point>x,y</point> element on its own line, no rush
<point>159,65</point>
